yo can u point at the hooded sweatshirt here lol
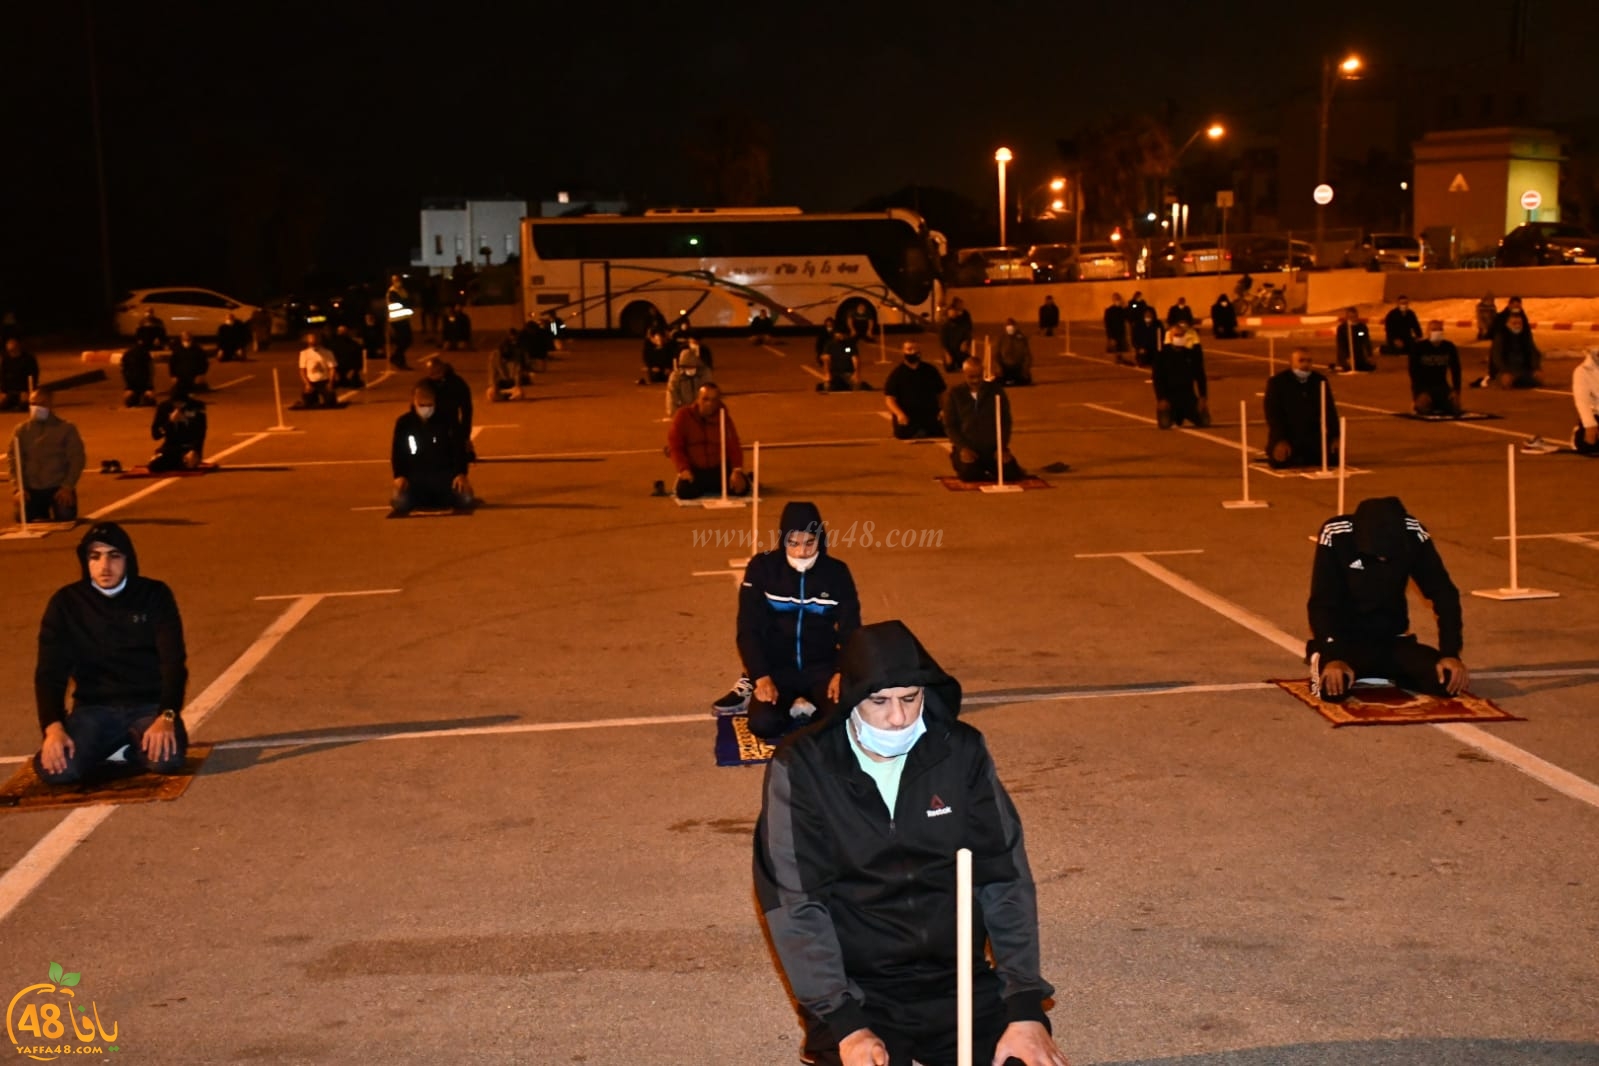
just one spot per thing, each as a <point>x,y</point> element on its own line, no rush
<point>685,381</point>
<point>125,649</point>
<point>791,623</point>
<point>1364,563</point>
<point>860,899</point>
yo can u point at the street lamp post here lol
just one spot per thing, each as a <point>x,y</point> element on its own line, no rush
<point>1002,157</point>
<point>1350,67</point>
<point>1215,131</point>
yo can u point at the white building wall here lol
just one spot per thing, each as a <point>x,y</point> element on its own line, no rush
<point>455,235</point>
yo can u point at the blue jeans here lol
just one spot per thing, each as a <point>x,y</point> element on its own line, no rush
<point>99,730</point>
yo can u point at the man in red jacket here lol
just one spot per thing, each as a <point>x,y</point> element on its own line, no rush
<point>695,444</point>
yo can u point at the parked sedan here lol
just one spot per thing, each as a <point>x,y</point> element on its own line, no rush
<point>1390,251</point>
<point>1051,262</point>
<point>1548,244</point>
<point>1100,261</point>
<point>1191,257</point>
<point>994,266</point>
<point>197,311</point>
<point>1257,255</point>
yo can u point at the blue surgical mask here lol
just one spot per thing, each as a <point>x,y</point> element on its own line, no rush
<point>889,743</point>
<point>39,413</point>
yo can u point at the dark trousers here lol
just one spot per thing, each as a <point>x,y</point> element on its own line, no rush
<point>922,1029</point>
<point>928,426</point>
<point>1302,453</point>
<point>1176,410</point>
<point>42,507</point>
<point>320,394</point>
<point>172,458</point>
<point>1405,661</point>
<point>772,720</point>
<point>1580,442</point>
<point>986,468</point>
<point>430,496</point>
<point>1437,401</point>
<point>707,482</point>
<point>98,730</point>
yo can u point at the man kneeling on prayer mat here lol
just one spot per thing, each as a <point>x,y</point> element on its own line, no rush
<point>977,444</point>
<point>1359,620</point>
<point>428,457</point>
<point>179,425</point>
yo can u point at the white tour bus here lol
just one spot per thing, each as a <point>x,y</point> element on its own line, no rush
<point>717,266</point>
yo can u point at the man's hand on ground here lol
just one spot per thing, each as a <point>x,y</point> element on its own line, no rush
<point>66,496</point>
<point>401,484</point>
<point>1453,675</point>
<point>160,741</point>
<point>685,475</point>
<point>737,482</point>
<point>766,690</point>
<point>57,748</point>
<point>968,456</point>
<point>461,485</point>
<point>862,1048</point>
<point>833,686</point>
<point>1030,1042</point>
<point>1336,677</point>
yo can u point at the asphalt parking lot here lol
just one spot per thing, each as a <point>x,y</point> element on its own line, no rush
<point>466,808</point>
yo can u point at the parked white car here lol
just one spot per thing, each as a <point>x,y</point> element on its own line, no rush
<point>199,311</point>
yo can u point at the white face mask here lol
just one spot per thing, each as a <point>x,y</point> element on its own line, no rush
<point>1302,375</point>
<point>39,413</point>
<point>889,743</point>
<point>1436,336</point>
<point>802,563</point>
<point>108,593</point>
<point>424,413</point>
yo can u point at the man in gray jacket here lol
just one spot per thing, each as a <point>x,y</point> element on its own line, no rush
<point>46,460</point>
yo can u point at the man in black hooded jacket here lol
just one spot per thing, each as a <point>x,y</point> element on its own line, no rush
<point>796,608</point>
<point>855,848</point>
<point>1359,620</point>
<point>118,638</point>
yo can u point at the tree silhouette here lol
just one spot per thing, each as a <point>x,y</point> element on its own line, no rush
<point>1122,161</point>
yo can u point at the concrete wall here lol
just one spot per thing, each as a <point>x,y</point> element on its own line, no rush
<point>1085,301</point>
<point>1575,281</point>
<point>1334,290</point>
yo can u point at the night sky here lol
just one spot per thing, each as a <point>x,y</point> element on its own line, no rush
<point>242,148</point>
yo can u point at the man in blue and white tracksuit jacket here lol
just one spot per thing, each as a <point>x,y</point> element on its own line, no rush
<point>796,608</point>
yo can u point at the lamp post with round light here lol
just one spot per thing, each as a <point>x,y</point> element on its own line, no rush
<point>1348,69</point>
<point>1002,157</point>
<point>1215,132</point>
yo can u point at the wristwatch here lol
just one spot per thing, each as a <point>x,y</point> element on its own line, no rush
<point>169,715</point>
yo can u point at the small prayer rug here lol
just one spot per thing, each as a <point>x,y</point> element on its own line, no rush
<point>1391,705</point>
<point>955,484</point>
<point>736,745</point>
<point>144,472</point>
<point>1465,416</point>
<point>119,784</point>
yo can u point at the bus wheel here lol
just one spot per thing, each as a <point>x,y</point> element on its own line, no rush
<point>857,308</point>
<point>638,317</point>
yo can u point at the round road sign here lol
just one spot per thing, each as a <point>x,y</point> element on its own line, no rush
<point>1531,200</point>
<point>1322,195</point>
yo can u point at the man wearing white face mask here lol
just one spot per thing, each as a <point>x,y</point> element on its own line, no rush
<point>1435,374</point>
<point>1585,394</point>
<point>1013,356</point>
<point>46,478</point>
<point>1293,415</point>
<point>117,637</point>
<point>855,872</point>
<point>796,608</point>
<point>428,457</point>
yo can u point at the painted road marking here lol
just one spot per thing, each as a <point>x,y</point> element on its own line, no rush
<point>1538,769</point>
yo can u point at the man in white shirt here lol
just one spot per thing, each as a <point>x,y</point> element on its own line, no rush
<point>316,375</point>
<point>1585,394</point>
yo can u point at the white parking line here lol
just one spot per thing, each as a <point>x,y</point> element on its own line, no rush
<point>1538,769</point>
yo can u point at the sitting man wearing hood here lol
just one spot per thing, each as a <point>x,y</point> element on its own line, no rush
<point>861,817</point>
<point>1359,619</point>
<point>796,608</point>
<point>118,639</point>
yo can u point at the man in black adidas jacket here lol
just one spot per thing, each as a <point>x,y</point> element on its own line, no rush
<point>796,608</point>
<point>855,872</point>
<point>118,637</point>
<point>1359,620</point>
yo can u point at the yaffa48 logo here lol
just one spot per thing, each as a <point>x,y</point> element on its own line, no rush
<point>45,1021</point>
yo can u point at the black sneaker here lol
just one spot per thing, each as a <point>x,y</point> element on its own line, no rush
<point>737,698</point>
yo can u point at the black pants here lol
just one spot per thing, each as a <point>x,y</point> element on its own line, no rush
<point>707,482</point>
<point>923,1028</point>
<point>1175,410</point>
<point>986,468</point>
<point>320,394</point>
<point>1437,401</point>
<point>771,720</point>
<point>1580,442</point>
<point>1302,453</point>
<point>1405,661</point>
<point>42,507</point>
<point>98,730</point>
<point>929,426</point>
<point>172,458</point>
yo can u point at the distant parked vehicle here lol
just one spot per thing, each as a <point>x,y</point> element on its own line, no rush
<point>196,311</point>
<point>1051,262</point>
<point>1390,251</point>
<point>994,266</point>
<point>1191,257</point>
<point>1260,255</point>
<point>1548,244</point>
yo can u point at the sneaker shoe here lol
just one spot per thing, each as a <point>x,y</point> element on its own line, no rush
<point>737,698</point>
<point>802,708</point>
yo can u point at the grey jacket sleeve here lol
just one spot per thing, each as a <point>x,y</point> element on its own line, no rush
<point>792,890</point>
<point>1002,886</point>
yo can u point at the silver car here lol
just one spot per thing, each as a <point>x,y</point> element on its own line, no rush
<point>1390,251</point>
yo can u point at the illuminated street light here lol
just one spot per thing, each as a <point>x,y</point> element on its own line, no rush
<point>1348,69</point>
<point>1216,132</point>
<point>1057,205</point>
<point>1057,185</point>
<point>1002,157</point>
